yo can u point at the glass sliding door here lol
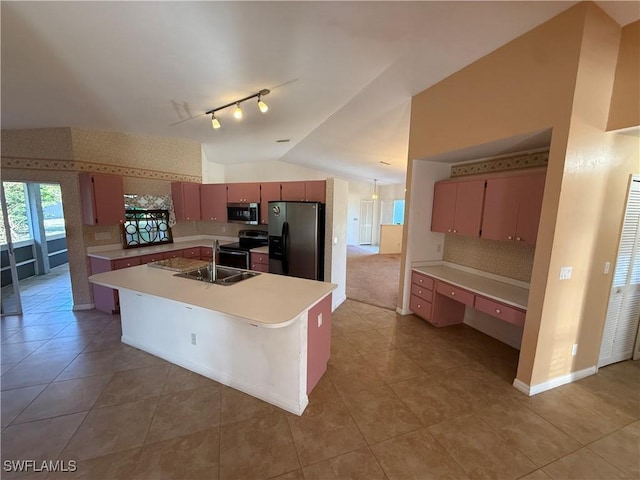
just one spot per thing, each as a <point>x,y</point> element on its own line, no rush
<point>11,302</point>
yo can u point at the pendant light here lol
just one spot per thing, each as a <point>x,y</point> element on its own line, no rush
<point>374,195</point>
<point>237,113</point>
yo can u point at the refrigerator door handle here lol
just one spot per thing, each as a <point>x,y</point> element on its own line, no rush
<point>285,248</point>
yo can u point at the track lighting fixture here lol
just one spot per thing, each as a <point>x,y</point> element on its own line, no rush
<point>237,112</point>
<point>374,195</point>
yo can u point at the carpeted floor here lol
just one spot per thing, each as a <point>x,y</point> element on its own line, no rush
<point>372,278</point>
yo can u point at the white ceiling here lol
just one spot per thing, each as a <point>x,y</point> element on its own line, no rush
<point>342,74</point>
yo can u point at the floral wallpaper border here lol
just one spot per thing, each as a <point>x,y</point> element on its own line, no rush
<point>77,166</point>
<point>539,159</point>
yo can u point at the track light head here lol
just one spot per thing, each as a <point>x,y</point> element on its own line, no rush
<point>237,113</point>
<point>261,105</point>
<point>215,123</point>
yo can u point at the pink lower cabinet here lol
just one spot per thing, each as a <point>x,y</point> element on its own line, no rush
<point>260,262</point>
<point>318,341</point>
<point>106,299</point>
<point>449,303</point>
<point>191,253</point>
<point>421,299</point>
<point>501,311</point>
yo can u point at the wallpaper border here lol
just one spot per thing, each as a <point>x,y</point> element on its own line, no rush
<point>78,166</point>
<point>516,162</point>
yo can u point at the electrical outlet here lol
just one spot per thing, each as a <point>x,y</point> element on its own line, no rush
<point>607,267</point>
<point>194,340</point>
<point>574,350</point>
<point>439,247</point>
<point>565,273</point>
<point>224,229</point>
<point>335,240</point>
<point>103,236</point>
<point>319,320</point>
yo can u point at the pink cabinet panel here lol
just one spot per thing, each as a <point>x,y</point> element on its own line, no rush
<point>186,200</point>
<point>191,252</point>
<point>102,198</point>
<point>152,257</point>
<point>444,207</point>
<point>421,292</point>
<point>206,253</point>
<point>457,207</point>
<point>501,311</point>
<point>269,192</point>
<point>293,191</point>
<point>213,202</point>
<point>125,263</point>
<point>315,191</point>
<point>243,192</point>
<point>318,341</point>
<point>422,280</point>
<point>420,307</point>
<point>456,293</point>
<point>174,254</point>
<point>530,208</point>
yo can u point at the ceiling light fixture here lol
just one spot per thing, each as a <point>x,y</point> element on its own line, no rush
<point>237,112</point>
<point>374,195</point>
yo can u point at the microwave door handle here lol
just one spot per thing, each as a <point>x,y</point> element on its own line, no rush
<point>285,248</point>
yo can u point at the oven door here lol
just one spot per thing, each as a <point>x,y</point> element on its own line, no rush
<point>234,258</point>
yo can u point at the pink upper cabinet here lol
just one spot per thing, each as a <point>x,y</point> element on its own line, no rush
<point>213,202</point>
<point>102,198</point>
<point>186,200</point>
<point>457,207</point>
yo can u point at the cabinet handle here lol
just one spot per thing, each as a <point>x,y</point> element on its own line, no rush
<point>449,231</point>
<point>419,306</point>
<point>455,231</point>
<point>420,292</point>
<point>498,310</point>
<point>509,237</point>
<point>453,293</point>
<point>518,239</point>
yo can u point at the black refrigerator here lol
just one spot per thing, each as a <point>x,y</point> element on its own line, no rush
<point>296,239</point>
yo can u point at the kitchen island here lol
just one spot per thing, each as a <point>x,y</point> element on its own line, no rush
<point>268,336</point>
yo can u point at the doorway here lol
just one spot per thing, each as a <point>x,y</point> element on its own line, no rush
<point>366,222</point>
<point>34,268</point>
<point>623,313</point>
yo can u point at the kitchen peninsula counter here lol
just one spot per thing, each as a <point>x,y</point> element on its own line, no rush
<point>268,336</point>
<point>122,253</point>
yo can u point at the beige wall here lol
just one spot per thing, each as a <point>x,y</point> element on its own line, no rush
<point>147,164</point>
<point>525,86</point>
<point>625,102</point>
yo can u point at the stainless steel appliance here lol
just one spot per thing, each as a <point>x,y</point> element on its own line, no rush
<point>237,254</point>
<point>247,213</point>
<point>296,239</point>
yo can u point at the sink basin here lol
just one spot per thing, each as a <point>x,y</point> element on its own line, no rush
<point>224,275</point>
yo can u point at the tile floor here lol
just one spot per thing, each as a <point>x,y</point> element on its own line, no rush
<point>42,293</point>
<point>400,400</point>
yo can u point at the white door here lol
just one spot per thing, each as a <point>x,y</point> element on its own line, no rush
<point>366,222</point>
<point>623,313</point>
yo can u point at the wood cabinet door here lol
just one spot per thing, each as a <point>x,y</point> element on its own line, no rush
<point>252,192</point>
<point>102,198</point>
<point>444,207</point>
<point>269,192</point>
<point>316,191</point>
<point>500,214</point>
<point>186,200</point>
<point>213,202</point>
<point>531,190</point>
<point>235,193</point>
<point>243,192</point>
<point>468,212</point>
<point>293,191</point>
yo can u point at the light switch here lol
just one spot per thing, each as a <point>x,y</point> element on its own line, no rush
<point>607,267</point>
<point>319,320</point>
<point>565,273</point>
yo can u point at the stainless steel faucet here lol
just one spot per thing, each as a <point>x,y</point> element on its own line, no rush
<point>215,258</point>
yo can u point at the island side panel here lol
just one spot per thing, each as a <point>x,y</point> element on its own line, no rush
<point>267,363</point>
<point>318,341</point>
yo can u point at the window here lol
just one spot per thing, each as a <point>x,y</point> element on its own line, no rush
<point>146,227</point>
<point>17,208</point>
<point>52,209</point>
<point>398,212</point>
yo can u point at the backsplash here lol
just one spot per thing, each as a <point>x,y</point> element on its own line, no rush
<point>508,259</point>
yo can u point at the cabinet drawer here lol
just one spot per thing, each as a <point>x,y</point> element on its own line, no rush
<point>501,311</point>
<point>174,254</point>
<point>152,257</point>
<point>422,280</point>
<point>420,307</point>
<point>260,267</point>
<point>126,262</point>
<point>421,292</point>
<point>455,293</point>
<point>191,252</point>
<point>260,258</point>
<point>206,252</point>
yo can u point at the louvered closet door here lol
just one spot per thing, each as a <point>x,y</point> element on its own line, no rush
<point>623,313</point>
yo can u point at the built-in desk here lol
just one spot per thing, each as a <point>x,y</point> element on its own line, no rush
<point>439,294</point>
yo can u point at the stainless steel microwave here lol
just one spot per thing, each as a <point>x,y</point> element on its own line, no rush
<point>247,213</point>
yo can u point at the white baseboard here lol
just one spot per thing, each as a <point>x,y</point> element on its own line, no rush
<point>554,382</point>
<point>84,306</point>
<point>249,389</point>
<point>337,301</point>
<point>403,311</point>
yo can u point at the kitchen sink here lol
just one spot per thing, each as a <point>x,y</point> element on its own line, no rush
<point>224,275</point>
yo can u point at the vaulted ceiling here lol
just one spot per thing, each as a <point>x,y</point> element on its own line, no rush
<point>341,74</point>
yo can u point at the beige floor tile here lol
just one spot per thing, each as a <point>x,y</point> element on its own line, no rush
<point>35,333</point>
<point>16,352</point>
<point>238,406</point>
<point>257,448</point>
<point>342,352</point>
<point>73,345</point>
<point>104,342</point>
<point>35,371</point>
<point>295,475</point>
<point>573,417</point>
<point>89,327</point>
<point>185,412</point>
<point>193,456</point>
<point>380,414</point>
<point>393,365</point>
<point>479,450</point>
<point>324,430</point>
<point>132,385</point>
<point>430,401</point>
<point>435,357</point>
<point>180,379</point>
<point>582,464</point>
<point>63,398</point>
<point>133,358</point>
<point>5,367</point>
<point>357,465</point>
<point>41,440</point>
<point>401,338</point>
<point>416,455</point>
<point>365,308</point>
<point>621,449</point>
<point>16,400</point>
<point>115,466</point>
<point>536,475</point>
<point>347,324</point>
<point>539,440</point>
<point>112,429</point>
<point>383,319</point>
<point>92,363</point>
<point>369,342</point>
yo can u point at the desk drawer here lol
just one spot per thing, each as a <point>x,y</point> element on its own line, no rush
<point>455,293</point>
<point>422,292</point>
<point>126,262</point>
<point>422,280</point>
<point>420,307</point>
<point>501,311</point>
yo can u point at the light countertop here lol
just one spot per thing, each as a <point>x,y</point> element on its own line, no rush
<point>487,287</point>
<point>136,252</point>
<point>264,249</point>
<point>266,300</point>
